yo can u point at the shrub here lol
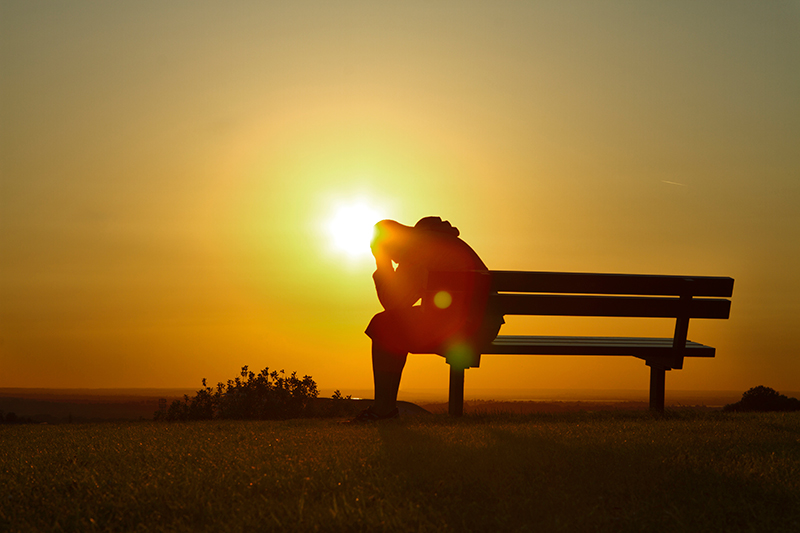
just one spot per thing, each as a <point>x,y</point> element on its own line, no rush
<point>763,398</point>
<point>262,396</point>
<point>12,418</point>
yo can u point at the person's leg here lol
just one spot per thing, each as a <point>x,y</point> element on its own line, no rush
<point>387,369</point>
<point>389,333</point>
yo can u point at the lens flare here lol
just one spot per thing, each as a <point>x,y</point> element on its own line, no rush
<point>442,299</point>
<point>461,355</point>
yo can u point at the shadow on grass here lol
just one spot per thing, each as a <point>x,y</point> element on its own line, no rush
<point>519,472</point>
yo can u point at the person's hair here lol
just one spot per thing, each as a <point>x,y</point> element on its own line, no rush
<point>438,225</point>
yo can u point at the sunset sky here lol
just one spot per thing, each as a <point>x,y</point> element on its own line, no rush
<point>171,170</point>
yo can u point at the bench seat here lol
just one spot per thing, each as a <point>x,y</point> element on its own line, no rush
<point>642,347</point>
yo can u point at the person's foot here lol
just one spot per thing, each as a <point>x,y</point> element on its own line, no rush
<point>368,415</point>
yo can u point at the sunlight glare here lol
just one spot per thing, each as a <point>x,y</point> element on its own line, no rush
<point>350,228</point>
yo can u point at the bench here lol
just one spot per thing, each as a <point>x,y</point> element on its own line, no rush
<point>588,295</point>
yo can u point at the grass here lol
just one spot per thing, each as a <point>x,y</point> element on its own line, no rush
<point>605,471</point>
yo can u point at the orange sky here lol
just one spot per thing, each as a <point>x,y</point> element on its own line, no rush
<point>168,171</point>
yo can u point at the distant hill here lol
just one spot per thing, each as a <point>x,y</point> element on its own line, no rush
<point>87,405</point>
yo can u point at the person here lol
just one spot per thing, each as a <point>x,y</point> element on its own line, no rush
<point>403,327</point>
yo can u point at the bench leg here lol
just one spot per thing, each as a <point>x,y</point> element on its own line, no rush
<point>456,399</point>
<point>657,379</point>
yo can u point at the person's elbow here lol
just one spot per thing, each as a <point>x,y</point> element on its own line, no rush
<point>389,302</point>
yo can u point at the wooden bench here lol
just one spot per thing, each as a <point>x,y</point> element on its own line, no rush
<point>590,295</point>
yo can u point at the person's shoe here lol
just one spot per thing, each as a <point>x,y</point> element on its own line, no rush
<point>368,415</point>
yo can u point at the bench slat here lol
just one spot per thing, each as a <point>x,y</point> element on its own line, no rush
<point>616,306</point>
<point>589,283</point>
<point>627,346</point>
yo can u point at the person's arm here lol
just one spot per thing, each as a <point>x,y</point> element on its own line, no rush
<point>396,288</point>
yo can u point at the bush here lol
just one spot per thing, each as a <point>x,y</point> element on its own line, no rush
<point>763,398</point>
<point>12,418</point>
<point>263,396</point>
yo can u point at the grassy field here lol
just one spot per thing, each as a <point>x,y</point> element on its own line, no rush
<point>605,471</point>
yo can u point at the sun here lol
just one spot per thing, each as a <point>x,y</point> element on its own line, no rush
<point>350,228</point>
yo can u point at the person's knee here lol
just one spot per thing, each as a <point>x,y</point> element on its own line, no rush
<point>379,322</point>
<point>390,361</point>
<point>388,333</point>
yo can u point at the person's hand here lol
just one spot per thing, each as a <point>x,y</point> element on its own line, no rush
<point>377,239</point>
<point>378,249</point>
<point>382,259</point>
<point>375,247</point>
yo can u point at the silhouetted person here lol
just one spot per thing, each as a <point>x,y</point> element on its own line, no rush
<point>403,327</point>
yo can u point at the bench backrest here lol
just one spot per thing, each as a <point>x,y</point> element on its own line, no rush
<point>612,295</point>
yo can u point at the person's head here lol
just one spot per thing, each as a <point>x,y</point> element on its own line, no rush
<point>438,225</point>
<point>391,238</point>
<point>396,240</point>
